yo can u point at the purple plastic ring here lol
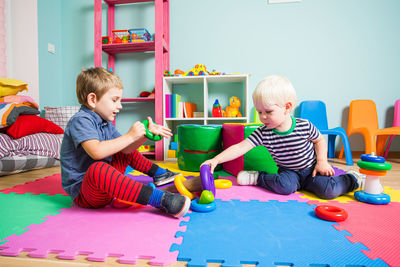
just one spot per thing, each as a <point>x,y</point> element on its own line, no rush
<point>207,179</point>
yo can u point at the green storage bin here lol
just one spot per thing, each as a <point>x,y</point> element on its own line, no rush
<point>198,143</point>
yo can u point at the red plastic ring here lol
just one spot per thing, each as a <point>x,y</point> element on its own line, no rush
<point>331,213</point>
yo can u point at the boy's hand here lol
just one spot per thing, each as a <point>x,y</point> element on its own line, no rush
<point>212,163</point>
<point>158,129</point>
<point>137,130</point>
<point>323,168</point>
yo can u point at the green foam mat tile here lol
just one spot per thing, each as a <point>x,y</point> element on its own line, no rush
<point>19,211</point>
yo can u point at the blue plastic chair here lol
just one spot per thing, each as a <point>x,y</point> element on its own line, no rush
<point>315,112</point>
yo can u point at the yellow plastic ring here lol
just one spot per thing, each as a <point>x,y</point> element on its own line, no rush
<point>181,188</point>
<point>373,173</point>
<point>222,183</point>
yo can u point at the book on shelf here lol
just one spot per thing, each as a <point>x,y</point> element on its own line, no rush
<point>178,111</point>
<point>189,109</point>
<point>176,108</point>
<point>168,106</point>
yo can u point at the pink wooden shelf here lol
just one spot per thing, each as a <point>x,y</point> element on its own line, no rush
<point>160,47</point>
<point>119,2</point>
<point>147,153</point>
<point>128,47</point>
<point>137,99</point>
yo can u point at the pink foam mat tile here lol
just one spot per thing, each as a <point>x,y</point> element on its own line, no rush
<point>50,185</point>
<point>375,226</point>
<point>250,192</point>
<point>130,234</point>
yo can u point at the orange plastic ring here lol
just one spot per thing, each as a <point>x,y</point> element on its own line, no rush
<point>181,188</point>
<point>374,173</point>
<point>331,213</point>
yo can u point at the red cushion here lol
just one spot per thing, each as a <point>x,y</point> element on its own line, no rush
<point>31,124</point>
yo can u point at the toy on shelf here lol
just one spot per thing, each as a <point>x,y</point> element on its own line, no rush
<point>106,40</point>
<point>146,148</point>
<point>139,35</point>
<point>147,94</point>
<point>216,110</point>
<point>233,109</point>
<point>198,70</point>
<point>168,73</point>
<point>127,36</point>
<point>120,36</point>
<point>179,72</point>
<point>373,166</point>
<point>214,72</point>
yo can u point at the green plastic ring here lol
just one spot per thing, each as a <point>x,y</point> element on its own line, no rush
<point>149,134</point>
<point>374,166</point>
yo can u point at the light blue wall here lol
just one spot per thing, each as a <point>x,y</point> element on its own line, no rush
<point>333,50</point>
<point>50,65</point>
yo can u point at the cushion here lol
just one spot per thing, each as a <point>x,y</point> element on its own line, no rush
<point>31,124</point>
<point>7,145</point>
<point>41,144</point>
<point>11,86</point>
<point>9,112</point>
<point>60,115</point>
<point>16,164</point>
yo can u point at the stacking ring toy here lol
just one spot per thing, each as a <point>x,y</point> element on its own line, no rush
<point>222,183</point>
<point>331,213</point>
<point>207,179</point>
<point>374,166</point>
<point>377,199</point>
<point>372,158</point>
<point>373,173</point>
<point>202,207</point>
<point>149,134</point>
<point>181,188</point>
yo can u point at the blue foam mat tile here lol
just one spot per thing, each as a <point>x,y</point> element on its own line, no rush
<point>267,234</point>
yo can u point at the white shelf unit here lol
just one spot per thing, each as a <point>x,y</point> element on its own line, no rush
<point>203,90</point>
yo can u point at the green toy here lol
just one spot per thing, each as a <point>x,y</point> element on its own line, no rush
<point>149,134</point>
<point>196,144</point>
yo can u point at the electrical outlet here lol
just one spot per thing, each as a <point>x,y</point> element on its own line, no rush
<point>51,48</point>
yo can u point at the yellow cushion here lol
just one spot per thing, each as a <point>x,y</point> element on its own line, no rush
<point>11,86</point>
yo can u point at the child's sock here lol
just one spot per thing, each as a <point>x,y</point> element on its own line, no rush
<point>155,198</point>
<point>160,171</point>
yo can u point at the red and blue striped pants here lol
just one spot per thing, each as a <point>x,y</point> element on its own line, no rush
<point>103,182</point>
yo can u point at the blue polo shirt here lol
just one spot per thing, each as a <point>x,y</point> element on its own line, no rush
<point>84,125</point>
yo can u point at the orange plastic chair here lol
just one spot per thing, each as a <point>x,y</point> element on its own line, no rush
<point>363,119</point>
<point>396,123</point>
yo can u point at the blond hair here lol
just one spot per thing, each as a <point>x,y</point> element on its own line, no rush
<point>95,80</point>
<point>274,90</point>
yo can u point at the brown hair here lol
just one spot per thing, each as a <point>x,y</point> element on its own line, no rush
<point>95,80</point>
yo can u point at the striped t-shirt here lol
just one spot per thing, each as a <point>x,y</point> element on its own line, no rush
<point>293,149</point>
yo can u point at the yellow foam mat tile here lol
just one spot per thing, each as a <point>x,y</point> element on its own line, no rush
<point>394,196</point>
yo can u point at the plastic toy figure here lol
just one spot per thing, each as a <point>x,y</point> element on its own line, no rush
<point>233,109</point>
<point>198,70</point>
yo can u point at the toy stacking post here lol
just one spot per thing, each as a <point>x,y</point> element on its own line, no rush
<point>373,167</point>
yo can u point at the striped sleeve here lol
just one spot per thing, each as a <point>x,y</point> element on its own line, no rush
<point>255,137</point>
<point>314,133</point>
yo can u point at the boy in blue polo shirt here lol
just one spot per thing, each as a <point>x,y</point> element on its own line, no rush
<point>94,155</point>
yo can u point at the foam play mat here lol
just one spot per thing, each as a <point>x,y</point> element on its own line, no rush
<point>267,234</point>
<point>249,226</point>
